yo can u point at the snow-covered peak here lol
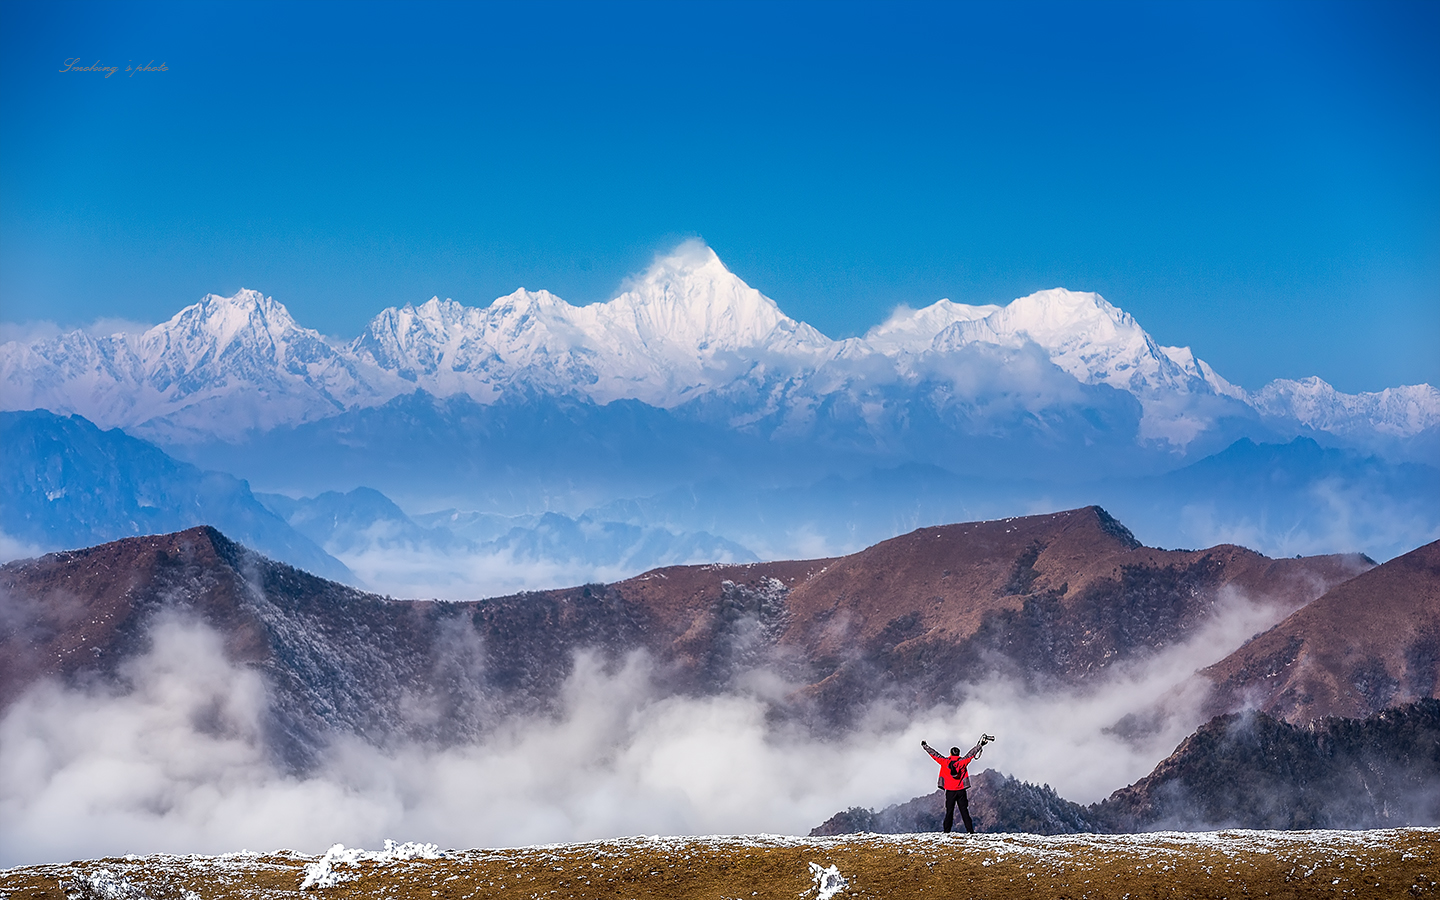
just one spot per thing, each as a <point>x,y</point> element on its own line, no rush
<point>404,338</point>
<point>218,367</point>
<point>688,298</point>
<point>436,310</point>
<point>1083,333</point>
<point>248,326</point>
<point>528,303</point>
<point>216,322</point>
<point>691,258</point>
<point>1058,318</point>
<point>682,326</point>
<point>913,330</point>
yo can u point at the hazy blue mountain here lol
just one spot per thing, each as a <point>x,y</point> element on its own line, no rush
<point>490,555</point>
<point>478,527</point>
<point>517,456</point>
<point>523,456</point>
<point>1280,499</point>
<point>1285,499</point>
<point>66,484</point>
<point>608,544</point>
<point>357,520</point>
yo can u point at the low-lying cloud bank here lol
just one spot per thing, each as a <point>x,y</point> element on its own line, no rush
<point>177,759</point>
<point>427,573</point>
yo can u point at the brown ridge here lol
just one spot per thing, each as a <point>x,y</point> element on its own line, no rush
<point>902,615</point>
<point>1367,644</point>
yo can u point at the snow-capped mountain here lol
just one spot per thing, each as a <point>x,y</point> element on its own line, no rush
<point>687,335</point>
<point>223,366</point>
<point>691,329</point>
<point>686,326</point>
<point>1084,336</point>
<point>1399,412</point>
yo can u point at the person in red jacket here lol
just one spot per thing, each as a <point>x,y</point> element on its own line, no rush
<point>955,779</point>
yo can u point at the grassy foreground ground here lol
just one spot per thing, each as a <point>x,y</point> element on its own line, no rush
<point>1385,864</point>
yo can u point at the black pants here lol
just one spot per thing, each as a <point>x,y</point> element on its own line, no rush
<point>953,799</point>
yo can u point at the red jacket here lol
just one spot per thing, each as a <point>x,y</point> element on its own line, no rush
<point>954,771</point>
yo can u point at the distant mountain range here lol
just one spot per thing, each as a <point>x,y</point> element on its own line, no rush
<point>1281,499</point>
<point>691,337</point>
<point>71,485</point>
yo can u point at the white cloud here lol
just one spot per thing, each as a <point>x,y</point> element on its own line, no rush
<point>28,332</point>
<point>108,325</point>
<point>422,572</point>
<point>12,548</point>
<point>43,329</point>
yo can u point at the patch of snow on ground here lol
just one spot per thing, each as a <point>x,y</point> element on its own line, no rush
<point>325,874</point>
<point>828,882</point>
<point>105,884</point>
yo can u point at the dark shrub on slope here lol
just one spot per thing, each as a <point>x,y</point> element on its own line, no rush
<point>1254,771</point>
<point>1236,771</point>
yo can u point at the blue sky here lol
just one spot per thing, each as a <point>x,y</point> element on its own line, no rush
<point>1260,181</point>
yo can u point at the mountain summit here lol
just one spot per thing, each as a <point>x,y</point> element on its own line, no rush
<point>689,299</point>
<point>1083,333</point>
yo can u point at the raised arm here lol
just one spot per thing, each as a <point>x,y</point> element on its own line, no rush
<point>931,750</point>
